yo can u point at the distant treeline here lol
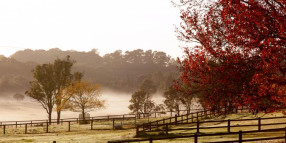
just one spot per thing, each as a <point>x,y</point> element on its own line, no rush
<point>117,70</point>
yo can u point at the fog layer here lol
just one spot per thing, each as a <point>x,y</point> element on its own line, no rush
<point>28,109</point>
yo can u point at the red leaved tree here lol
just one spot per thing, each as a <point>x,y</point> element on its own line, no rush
<point>241,55</point>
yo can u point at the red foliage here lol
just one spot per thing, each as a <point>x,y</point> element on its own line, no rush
<point>241,59</point>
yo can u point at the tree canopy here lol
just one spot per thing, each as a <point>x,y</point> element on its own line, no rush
<point>240,57</point>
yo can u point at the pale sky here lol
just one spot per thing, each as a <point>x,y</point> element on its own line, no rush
<point>82,25</point>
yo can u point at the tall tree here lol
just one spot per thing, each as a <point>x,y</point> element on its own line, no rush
<point>43,87</point>
<point>50,82</point>
<point>63,78</point>
<point>240,58</point>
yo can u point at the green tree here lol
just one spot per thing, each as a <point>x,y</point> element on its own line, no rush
<point>63,78</point>
<point>172,100</point>
<point>141,102</point>
<point>43,87</point>
<point>50,82</point>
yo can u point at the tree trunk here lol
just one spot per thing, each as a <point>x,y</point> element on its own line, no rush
<point>50,117</point>
<point>58,117</point>
<point>83,115</point>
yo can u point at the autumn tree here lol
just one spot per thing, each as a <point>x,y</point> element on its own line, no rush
<point>240,56</point>
<point>85,97</point>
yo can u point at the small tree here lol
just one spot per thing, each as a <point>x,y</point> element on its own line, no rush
<point>85,97</point>
<point>172,100</point>
<point>141,102</point>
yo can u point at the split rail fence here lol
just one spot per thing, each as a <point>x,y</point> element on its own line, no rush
<point>45,123</point>
<point>164,125</point>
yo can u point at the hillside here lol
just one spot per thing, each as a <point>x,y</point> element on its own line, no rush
<point>117,71</point>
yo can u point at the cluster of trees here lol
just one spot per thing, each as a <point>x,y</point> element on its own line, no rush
<point>240,58</point>
<point>117,70</point>
<point>55,84</point>
<point>142,102</point>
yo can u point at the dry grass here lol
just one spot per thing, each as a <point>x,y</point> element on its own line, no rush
<point>102,131</point>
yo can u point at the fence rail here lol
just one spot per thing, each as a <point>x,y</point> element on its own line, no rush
<point>197,135</point>
<point>194,119</point>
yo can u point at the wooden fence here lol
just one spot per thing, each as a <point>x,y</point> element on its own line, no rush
<point>188,118</point>
<point>196,137</point>
<point>45,123</point>
<point>194,119</point>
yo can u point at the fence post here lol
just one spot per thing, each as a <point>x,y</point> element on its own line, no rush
<point>198,126</point>
<point>228,125</point>
<point>137,130</point>
<point>113,123</point>
<point>16,124</point>
<point>91,124</point>
<point>259,124</point>
<point>176,119</point>
<point>151,140</point>
<point>192,117</point>
<point>47,130</point>
<point>155,114</point>
<point>197,116</point>
<point>196,138</point>
<point>31,123</point>
<point>69,126</point>
<point>240,137</point>
<point>285,134</point>
<point>25,128</point>
<point>188,118</point>
<point>168,129</point>
<point>4,129</point>
<point>157,122</point>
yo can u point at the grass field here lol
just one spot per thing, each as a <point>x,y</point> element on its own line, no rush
<point>102,131</point>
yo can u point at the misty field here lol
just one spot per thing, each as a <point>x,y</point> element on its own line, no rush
<point>28,109</point>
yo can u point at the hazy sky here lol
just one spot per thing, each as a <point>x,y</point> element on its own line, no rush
<point>82,25</point>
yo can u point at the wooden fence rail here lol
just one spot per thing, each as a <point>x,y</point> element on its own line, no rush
<point>45,123</point>
<point>197,135</point>
<point>227,127</point>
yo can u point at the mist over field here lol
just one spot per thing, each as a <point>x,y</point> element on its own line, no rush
<point>28,109</point>
<point>119,75</point>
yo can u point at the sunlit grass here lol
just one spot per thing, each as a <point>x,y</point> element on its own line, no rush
<point>103,132</point>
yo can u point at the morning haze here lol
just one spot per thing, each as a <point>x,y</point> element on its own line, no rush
<point>118,74</point>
